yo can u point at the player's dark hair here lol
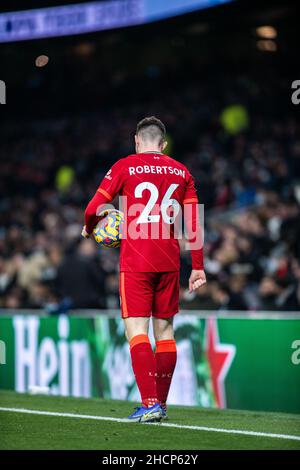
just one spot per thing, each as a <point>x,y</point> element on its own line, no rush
<point>151,128</point>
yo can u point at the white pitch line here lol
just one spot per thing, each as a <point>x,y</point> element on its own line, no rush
<point>164,425</point>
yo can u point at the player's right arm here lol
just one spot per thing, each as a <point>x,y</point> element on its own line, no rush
<point>110,186</point>
<point>194,235</point>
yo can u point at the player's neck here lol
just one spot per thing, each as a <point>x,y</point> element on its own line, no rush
<point>149,150</point>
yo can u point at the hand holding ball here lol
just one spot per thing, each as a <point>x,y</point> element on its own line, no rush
<point>108,232</point>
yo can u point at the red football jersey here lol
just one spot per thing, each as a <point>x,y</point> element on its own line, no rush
<point>154,189</point>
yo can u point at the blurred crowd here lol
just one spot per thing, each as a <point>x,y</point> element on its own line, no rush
<point>248,179</point>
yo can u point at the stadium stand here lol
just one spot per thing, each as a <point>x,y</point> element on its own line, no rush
<point>247,182</point>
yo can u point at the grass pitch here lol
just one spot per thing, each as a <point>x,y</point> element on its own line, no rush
<point>41,431</point>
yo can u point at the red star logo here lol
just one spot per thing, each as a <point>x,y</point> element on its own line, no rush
<point>220,357</point>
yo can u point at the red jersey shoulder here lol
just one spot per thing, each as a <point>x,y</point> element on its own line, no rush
<point>113,181</point>
<point>117,166</point>
<point>180,166</point>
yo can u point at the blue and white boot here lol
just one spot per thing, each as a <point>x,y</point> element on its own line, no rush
<point>147,415</point>
<point>164,413</point>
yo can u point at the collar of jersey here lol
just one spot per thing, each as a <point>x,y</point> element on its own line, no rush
<point>152,151</point>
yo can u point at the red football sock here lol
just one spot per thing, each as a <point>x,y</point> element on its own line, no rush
<point>165,356</point>
<point>143,364</point>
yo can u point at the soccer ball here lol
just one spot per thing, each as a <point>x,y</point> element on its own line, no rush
<point>108,232</point>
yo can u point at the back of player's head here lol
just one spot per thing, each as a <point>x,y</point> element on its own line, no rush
<point>151,129</point>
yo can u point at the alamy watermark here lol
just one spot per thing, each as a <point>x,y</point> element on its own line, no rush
<point>296,354</point>
<point>2,353</point>
<point>2,92</point>
<point>296,94</point>
<point>142,221</point>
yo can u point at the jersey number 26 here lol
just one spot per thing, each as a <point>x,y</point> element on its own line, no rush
<point>166,203</point>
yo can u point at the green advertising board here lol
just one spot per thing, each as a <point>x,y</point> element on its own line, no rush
<point>242,363</point>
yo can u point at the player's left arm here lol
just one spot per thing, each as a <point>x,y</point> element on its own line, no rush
<point>110,186</point>
<point>194,235</point>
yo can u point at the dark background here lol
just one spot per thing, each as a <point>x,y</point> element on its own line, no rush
<point>79,113</point>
